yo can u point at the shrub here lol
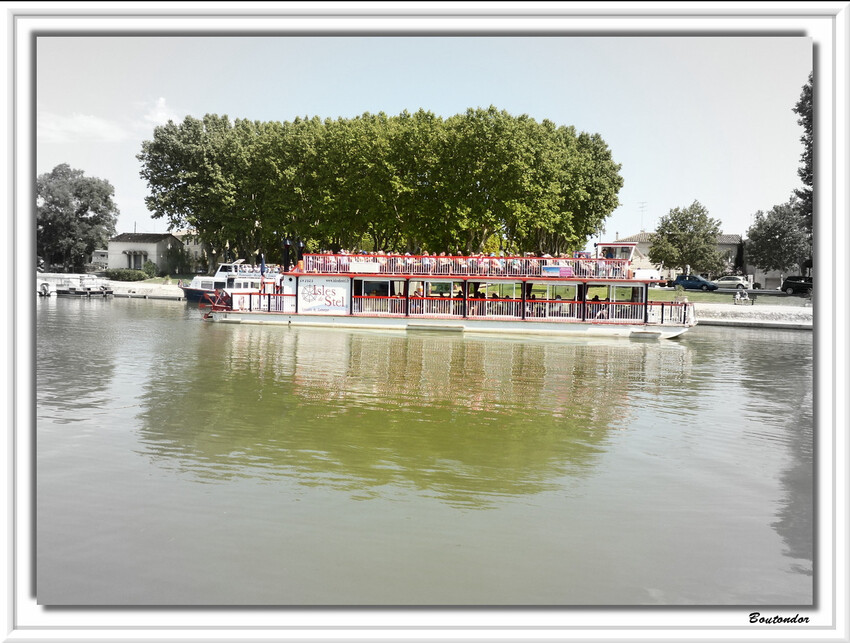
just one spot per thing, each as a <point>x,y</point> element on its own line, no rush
<point>126,274</point>
<point>150,269</point>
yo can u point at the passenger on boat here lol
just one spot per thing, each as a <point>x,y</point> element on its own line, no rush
<point>428,262</point>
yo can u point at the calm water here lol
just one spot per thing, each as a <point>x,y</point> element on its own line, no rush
<point>184,462</point>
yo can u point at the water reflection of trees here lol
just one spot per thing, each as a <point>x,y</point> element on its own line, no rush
<point>455,416</point>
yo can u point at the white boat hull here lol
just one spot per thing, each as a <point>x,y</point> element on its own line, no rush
<point>489,326</point>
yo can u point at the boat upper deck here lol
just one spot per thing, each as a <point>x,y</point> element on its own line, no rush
<point>469,266</point>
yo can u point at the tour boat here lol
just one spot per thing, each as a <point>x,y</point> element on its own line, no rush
<point>230,276</point>
<point>601,295</point>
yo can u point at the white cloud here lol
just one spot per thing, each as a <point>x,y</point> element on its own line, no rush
<point>159,114</point>
<point>87,128</point>
<point>72,128</point>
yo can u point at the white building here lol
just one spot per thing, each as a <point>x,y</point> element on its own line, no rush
<point>196,252</point>
<point>132,250</point>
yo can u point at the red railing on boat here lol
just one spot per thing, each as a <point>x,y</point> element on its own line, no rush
<point>605,312</point>
<point>466,266</point>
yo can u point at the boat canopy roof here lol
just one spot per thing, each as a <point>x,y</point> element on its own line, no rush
<point>614,267</point>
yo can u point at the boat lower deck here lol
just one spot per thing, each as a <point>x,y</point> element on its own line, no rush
<point>489,326</point>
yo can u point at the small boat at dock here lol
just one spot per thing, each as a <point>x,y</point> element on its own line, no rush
<point>602,295</point>
<point>85,286</point>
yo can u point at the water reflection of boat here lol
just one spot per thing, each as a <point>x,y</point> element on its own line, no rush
<point>463,418</point>
<point>587,296</point>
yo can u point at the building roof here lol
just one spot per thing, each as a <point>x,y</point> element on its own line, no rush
<point>729,238</point>
<point>142,237</point>
<point>640,237</point>
<point>646,237</point>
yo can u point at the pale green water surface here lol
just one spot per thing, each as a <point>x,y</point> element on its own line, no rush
<point>181,462</point>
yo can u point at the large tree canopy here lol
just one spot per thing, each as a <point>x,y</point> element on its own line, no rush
<point>409,182</point>
<point>778,240</point>
<point>75,215</point>
<point>687,238</point>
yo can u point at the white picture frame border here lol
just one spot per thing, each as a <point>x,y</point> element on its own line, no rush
<point>827,23</point>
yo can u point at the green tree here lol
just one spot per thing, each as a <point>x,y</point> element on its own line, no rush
<point>687,238</point>
<point>803,109</point>
<point>289,162</point>
<point>415,182</point>
<point>75,215</point>
<point>778,239</point>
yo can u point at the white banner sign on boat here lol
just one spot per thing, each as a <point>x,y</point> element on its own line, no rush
<point>364,266</point>
<point>325,295</point>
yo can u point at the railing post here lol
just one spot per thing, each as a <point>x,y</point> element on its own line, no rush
<point>407,297</point>
<point>583,302</point>
<point>465,291</point>
<point>522,300</point>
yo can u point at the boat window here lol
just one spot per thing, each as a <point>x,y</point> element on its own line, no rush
<point>206,285</point>
<point>597,292</point>
<point>373,288</point>
<point>441,289</point>
<point>628,293</point>
<point>504,290</point>
<point>219,284</point>
<point>567,292</point>
<point>537,291</point>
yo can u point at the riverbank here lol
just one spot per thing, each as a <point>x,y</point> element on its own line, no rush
<point>709,314</point>
<point>755,316</point>
<point>142,290</point>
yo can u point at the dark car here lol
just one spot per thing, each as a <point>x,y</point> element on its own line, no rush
<point>692,282</point>
<point>797,284</point>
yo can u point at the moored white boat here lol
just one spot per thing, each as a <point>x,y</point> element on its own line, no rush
<point>85,286</point>
<point>601,296</point>
<point>231,276</point>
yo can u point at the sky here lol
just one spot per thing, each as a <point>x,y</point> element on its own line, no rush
<point>699,118</point>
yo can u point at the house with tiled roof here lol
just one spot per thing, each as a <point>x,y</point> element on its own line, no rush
<point>730,245</point>
<point>133,250</point>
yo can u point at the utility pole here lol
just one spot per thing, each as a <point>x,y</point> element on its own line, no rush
<point>642,208</point>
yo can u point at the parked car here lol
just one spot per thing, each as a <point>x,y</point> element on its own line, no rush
<point>692,282</point>
<point>796,284</point>
<point>731,281</point>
